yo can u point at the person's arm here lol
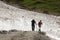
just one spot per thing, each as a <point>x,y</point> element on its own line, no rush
<point>41,23</point>
<point>35,23</point>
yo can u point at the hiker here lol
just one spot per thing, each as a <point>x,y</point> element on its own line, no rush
<point>39,25</point>
<point>33,22</point>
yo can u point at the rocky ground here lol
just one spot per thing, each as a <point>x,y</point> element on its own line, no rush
<point>24,35</point>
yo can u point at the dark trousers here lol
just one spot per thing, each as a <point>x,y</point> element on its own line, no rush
<point>33,27</point>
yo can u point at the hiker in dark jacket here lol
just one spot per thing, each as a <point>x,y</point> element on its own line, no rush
<point>33,22</point>
<point>40,24</point>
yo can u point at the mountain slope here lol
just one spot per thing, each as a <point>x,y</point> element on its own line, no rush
<point>52,6</point>
<point>15,18</point>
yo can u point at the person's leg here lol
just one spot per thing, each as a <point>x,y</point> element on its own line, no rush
<point>39,29</point>
<point>33,28</point>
